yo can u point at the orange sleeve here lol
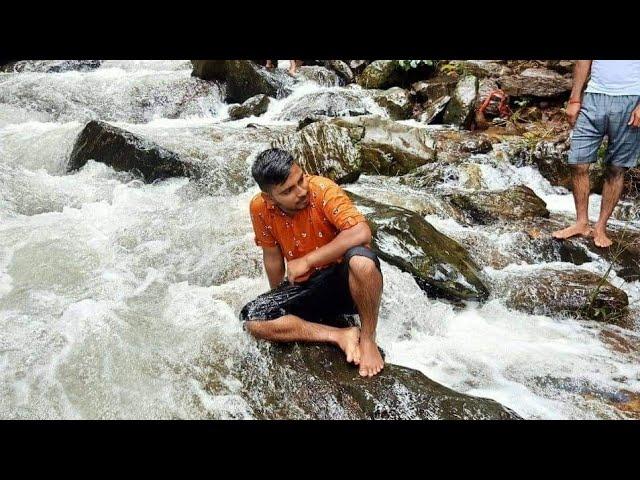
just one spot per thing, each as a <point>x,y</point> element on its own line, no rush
<point>263,236</point>
<point>339,208</point>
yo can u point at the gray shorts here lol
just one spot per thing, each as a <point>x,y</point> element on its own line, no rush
<point>608,115</point>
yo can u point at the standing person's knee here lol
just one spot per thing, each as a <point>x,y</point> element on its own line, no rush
<point>613,172</point>
<point>580,168</point>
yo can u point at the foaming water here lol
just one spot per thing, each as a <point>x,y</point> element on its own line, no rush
<point>120,299</point>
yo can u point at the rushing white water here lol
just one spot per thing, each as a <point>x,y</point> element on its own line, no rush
<point>120,299</point>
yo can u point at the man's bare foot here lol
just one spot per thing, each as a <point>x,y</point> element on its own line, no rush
<point>572,231</point>
<point>349,343</point>
<point>370,359</point>
<point>600,237</point>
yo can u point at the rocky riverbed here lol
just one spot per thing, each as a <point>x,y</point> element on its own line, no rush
<point>126,249</point>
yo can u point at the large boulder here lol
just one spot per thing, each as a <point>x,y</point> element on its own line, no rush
<point>324,104</point>
<point>574,293</point>
<point>535,82</point>
<point>440,265</point>
<point>255,106</point>
<point>483,68</point>
<point>315,382</point>
<point>381,74</point>
<point>243,79</point>
<point>320,75</point>
<point>396,101</point>
<point>326,149</point>
<point>433,109</point>
<point>460,109</point>
<point>124,151</point>
<point>434,88</point>
<point>388,147</point>
<point>342,69</point>
<point>342,148</point>
<point>484,207</point>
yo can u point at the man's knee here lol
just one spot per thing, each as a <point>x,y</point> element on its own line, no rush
<point>362,261</point>
<point>613,173</point>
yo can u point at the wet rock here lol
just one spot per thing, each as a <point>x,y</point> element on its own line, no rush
<point>486,207</point>
<point>535,82</point>
<point>358,66</point>
<point>325,149</point>
<point>243,79</point>
<point>255,106</point>
<point>431,176</point>
<point>440,265</point>
<point>381,74</point>
<point>124,151</point>
<point>456,146</point>
<point>342,148</point>
<point>460,108</point>
<point>388,147</point>
<point>574,293</point>
<point>396,101</point>
<point>315,382</point>
<point>434,109</point>
<point>320,75</point>
<point>483,68</point>
<point>51,66</point>
<point>325,104</point>
<point>434,88</point>
<point>342,69</point>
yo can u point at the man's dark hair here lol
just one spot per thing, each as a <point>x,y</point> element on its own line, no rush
<point>271,167</point>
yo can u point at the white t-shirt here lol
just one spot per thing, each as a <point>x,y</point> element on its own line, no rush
<point>615,77</point>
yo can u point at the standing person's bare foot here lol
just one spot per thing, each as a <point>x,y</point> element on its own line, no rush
<point>349,342</point>
<point>600,237</point>
<point>371,362</point>
<point>293,67</point>
<point>572,231</point>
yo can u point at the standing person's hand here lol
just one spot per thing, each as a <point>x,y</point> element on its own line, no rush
<point>634,121</point>
<point>572,111</point>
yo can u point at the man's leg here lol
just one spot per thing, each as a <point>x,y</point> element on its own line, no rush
<point>291,328</point>
<point>365,284</point>
<point>581,189</point>
<point>587,136</point>
<point>611,191</point>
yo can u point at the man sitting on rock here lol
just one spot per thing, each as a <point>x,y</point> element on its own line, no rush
<point>611,107</point>
<point>310,221</point>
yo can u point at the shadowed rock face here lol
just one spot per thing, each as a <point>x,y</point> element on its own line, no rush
<point>124,151</point>
<point>440,265</point>
<point>535,82</point>
<point>314,381</point>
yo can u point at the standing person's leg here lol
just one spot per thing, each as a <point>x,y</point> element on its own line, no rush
<point>586,139</point>
<point>365,286</point>
<point>294,65</point>
<point>622,153</point>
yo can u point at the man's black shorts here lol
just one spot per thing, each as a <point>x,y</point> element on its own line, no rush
<point>322,298</point>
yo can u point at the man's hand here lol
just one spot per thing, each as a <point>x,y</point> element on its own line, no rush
<point>572,111</point>
<point>634,121</point>
<point>297,268</point>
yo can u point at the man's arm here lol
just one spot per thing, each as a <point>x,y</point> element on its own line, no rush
<point>580,75</point>
<point>273,265</point>
<point>359,234</point>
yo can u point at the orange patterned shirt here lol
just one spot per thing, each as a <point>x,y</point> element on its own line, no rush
<point>329,212</point>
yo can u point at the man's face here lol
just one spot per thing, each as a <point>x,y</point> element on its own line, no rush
<point>293,194</point>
